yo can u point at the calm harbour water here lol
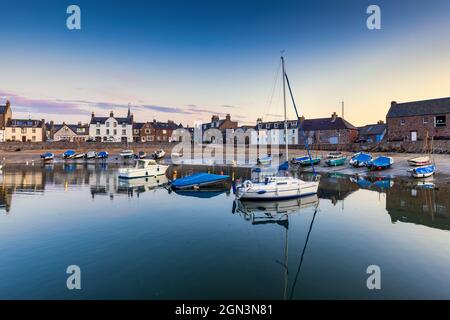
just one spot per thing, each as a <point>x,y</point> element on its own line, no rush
<point>138,241</point>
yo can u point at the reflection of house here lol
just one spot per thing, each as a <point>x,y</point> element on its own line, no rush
<point>111,129</point>
<point>336,187</point>
<point>372,132</point>
<point>5,198</point>
<point>71,132</point>
<point>412,120</point>
<point>5,116</point>
<point>25,130</point>
<point>419,206</point>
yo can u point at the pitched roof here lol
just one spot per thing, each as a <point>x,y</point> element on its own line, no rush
<point>326,124</point>
<point>138,125</point>
<point>372,129</point>
<point>164,125</point>
<point>73,128</point>
<point>102,120</point>
<point>25,123</point>
<point>416,108</point>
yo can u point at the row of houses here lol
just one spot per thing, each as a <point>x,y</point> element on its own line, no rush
<point>408,121</point>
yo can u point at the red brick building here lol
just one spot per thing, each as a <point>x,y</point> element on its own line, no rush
<point>411,121</point>
<point>154,131</point>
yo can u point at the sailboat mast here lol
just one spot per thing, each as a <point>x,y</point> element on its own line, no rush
<point>285,113</point>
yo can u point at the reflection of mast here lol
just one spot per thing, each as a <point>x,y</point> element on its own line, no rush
<point>303,254</point>
<point>286,273</point>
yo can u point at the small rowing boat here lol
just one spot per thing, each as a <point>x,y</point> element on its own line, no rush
<point>335,155</point>
<point>126,154</point>
<point>333,162</point>
<point>159,154</point>
<point>69,154</point>
<point>90,155</point>
<point>423,171</point>
<point>306,161</point>
<point>360,159</point>
<point>102,155</point>
<point>47,157</point>
<point>141,155</point>
<point>79,156</point>
<point>419,161</point>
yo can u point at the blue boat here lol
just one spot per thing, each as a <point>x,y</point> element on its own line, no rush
<point>199,180</point>
<point>380,163</point>
<point>102,155</point>
<point>423,171</point>
<point>360,159</point>
<point>68,154</point>
<point>284,166</point>
<point>48,156</point>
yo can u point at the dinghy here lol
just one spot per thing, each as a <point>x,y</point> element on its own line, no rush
<point>126,154</point>
<point>140,155</point>
<point>90,155</point>
<point>306,161</point>
<point>102,155</point>
<point>380,163</point>
<point>143,168</point>
<point>199,180</point>
<point>69,154</point>
<point>423,171</point>
<point>159,154</point>
<point>419,161</point>
<point>47,157</point>
<point>333,162</point>
<point>335,155</point>
<point>79,156</point>
<point>360,159</point>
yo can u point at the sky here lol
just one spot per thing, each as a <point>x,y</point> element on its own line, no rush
<point>186,60</point>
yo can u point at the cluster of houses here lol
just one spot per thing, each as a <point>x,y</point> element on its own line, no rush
<point>409,121</point>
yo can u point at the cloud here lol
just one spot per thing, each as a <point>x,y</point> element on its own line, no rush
<point>228,106</point>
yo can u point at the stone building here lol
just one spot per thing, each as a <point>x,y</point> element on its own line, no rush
<point>372,132</point>
<point>412,121</point>
<point>70,132</point>
<point>25,130</point>
<point>5,115</point>
<point>111,129</point>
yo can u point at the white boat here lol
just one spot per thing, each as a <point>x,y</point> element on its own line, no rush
<point>143,168</point>
<point>419,161</point>
<point>177,154</point>
<point>276,188</point>
<point>143,184</point>
<point>264,160</point>
<point>90,155</point>
<point>79,156</point>
<point>127,154</point>
<point>158,154</point>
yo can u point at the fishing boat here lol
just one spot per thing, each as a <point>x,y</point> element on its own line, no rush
<point>333,162</point>
<point>140,155</point>
<point>360,159</point>
<point>47,157</point>
<point>143,168</point>
<point>159,154</point>
<point>275,187</point>
<point>90,155</point>
<point>267,160</point>
<point>102,155</point>
<point>306,161</point>
<point>69,154</point>
<point>199,180</point>
<point>422,171</point>
<point>126,154</point>
<point>79,156</point>
<point>335,155</point>
<point>380,163</point>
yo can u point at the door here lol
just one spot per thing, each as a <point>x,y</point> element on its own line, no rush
<point>24,139</point>
<point>413,135</point>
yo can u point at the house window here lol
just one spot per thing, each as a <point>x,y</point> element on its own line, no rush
<point>402,122</point>
<point>425,120</point>
<point>147,131</point>
<point>124,132</point>
<point>439,121</point>
<point>13,130</point>
<point>107,132</point>
<point>124,125</point>
<point>13,138</point>
<point>114,124</point>
<point>150,138</point>
<point>115,132</point>
<point>33,138</point>
<point>24,130</point>
<point>97,132</point>
<point>164,131</point>
<point>107,124</point>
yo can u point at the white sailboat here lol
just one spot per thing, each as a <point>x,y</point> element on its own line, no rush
<point>271,188</point>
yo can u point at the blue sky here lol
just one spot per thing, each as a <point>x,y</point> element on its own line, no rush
<point>185,60</point>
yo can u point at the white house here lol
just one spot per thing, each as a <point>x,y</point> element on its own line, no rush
<point>274,133</point>
<point>111,129</point>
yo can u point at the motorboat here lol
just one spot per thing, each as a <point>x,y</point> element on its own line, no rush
<point>199,180</point>
<point>159,154</point>
<point>333,162</point>
<point>141,155</point>
<point>102,155</point>
<point>90,155</point>
<point>380,163</point>
<point>143,168</point>
<point>276,188</point>
<point>47,157</point>
<point>419,161</point>
<point>306,161</point>
<point>360,159</point>
<point>69,154</point>
<point>422,171</point>
<point>126,154</point>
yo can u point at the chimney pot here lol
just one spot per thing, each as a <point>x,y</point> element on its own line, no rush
<point>393,103</point>
<point>111,114</point>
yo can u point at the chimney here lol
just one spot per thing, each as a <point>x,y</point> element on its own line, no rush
<point>51,123</point>
<point>92,115</point>
<point>79,123</point>
<point>228,117</point>
<point>111,114</point>
<point>258,121</point>
<point>154,120</point>
<point>334,117</point>
<point>380,122</point>
<point>393,103</point>
<point>302,119</point>
<point>214,118</point>
<point>8,103</point>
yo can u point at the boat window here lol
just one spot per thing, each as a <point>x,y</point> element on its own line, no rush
<point>281,183</point>
<point>141,164</point>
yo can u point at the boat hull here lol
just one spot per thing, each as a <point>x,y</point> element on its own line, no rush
<point>135,173</point>
<point>290,192</point>
<point>335,162</point>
